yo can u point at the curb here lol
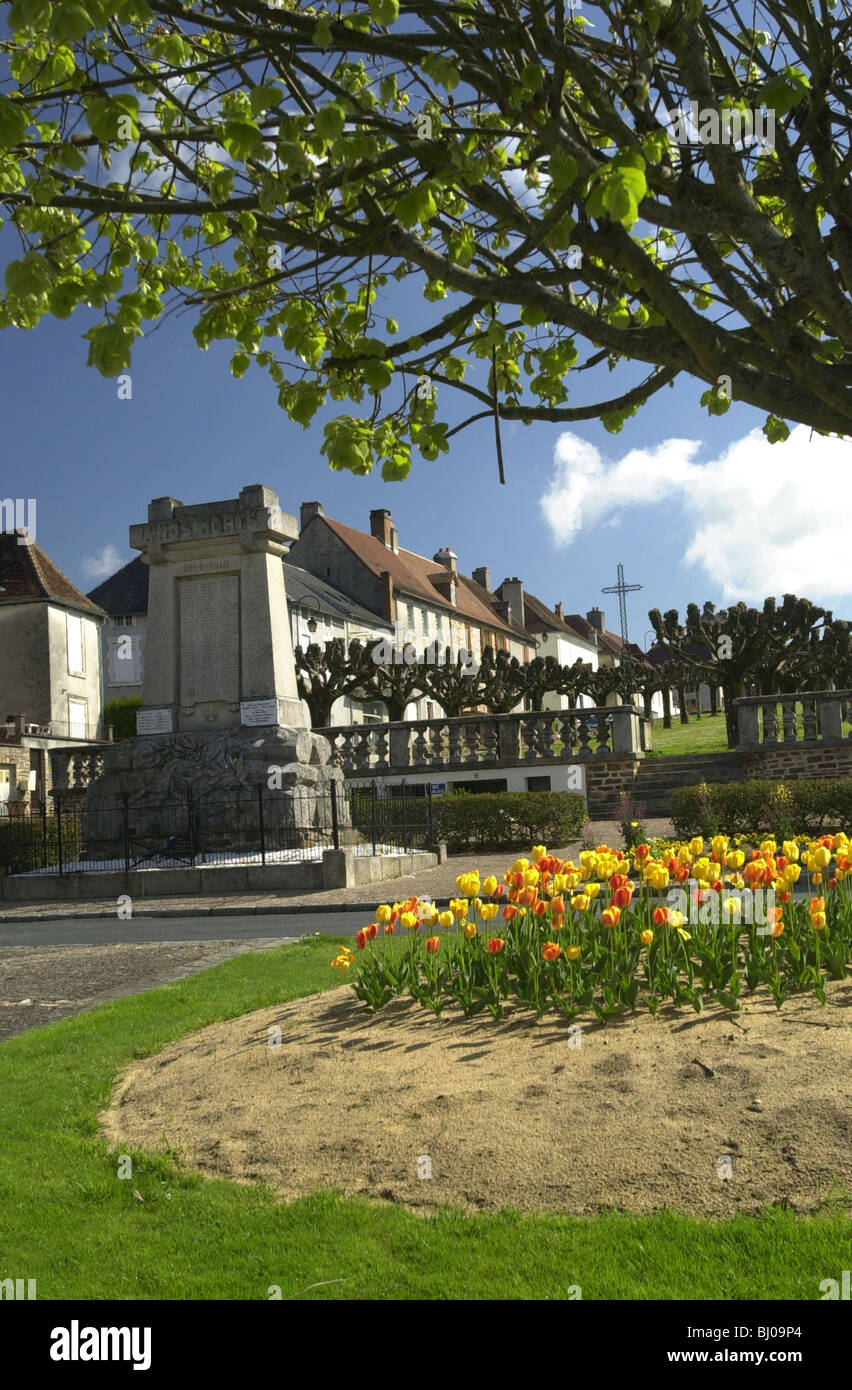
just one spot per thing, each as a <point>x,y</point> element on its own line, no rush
<point>263,910</point>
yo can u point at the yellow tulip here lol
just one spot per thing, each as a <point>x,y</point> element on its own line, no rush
<point>790,850</point>
<point>696,845</point>
<point>445,919</point>
<point>409,920</point>
<point>489,910</point>
<point>383,913</point>
<point>592,890</point>
<point>572,952</point>
<point>580,902</point>
<point>538,852</point>
<point>489,887</point>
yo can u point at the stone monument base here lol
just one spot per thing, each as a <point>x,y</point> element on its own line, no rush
<point>236,790</point>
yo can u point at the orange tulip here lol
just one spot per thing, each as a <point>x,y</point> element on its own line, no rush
<point>372,930</point>
<point>432,944</point>
<point>360,939</point>
<point>509,912</point>
<point>540,908</point>
<point>390,929</point>
<point>610,916</point>
<point>557,906</point>
<point>661,915</point>
<point>496,945</point>
<point>550,950</point>
<point>622,896</point>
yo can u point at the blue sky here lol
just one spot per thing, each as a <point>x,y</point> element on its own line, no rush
<point>695,508</point>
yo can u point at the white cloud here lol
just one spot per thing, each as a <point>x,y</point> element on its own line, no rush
<point>102,565</point>
<point>760,518</point>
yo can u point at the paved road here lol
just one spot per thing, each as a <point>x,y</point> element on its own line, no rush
<point>100,931</point>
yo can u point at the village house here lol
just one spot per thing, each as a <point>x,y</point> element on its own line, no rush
<point>50,669</point>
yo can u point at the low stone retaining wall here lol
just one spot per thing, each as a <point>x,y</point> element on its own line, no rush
<point>338,868</point>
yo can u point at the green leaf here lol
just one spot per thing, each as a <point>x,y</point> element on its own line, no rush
<point>377,374</point>
<point>13,123</point>
<point>384,12</point>
<point>785,90</point>
<point>776,430</point>
<point>416,206</point>
<point>240,362</point>
<point>261,98</point>
<point>241,139</point>
<point>329,121</point>
<point>322,34</point>
<point>562,169</point>
<point>70,22</point>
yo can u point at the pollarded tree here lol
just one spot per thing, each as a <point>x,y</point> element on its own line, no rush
<point>395,683</point>
<point>455,686</point>
<point>572,189</point>
<point>323,675</point>
<point>502,681</point>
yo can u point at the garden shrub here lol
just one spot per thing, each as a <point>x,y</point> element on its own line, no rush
<point>507,820</point>
<point>806,806</point>
<point>121,714</point>
<point>27,842</point>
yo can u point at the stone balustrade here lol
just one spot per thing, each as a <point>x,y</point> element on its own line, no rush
<point>803,718</point>
<point>75,768</point>
<point>485,740</point>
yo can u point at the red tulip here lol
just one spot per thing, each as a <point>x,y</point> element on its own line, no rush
<point>496,945</point>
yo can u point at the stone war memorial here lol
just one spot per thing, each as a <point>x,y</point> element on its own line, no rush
<point>221,717</point>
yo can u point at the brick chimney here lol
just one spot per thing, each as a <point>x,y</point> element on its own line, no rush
<point>382,527</point>
<point>557,608</point>
<point>388,597</point>
<point>595,616</point>
<point>482,576</point>
<point>512,592</point>
<point>308,510</point>
<point>447,558</point>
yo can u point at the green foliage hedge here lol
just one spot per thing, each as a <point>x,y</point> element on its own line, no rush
<point>121,714</point>
<point>28,843</point>
<point>507,820</point>
<point>805,806</point>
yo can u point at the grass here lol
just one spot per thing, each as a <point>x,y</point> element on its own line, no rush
<point>69,1222</point>
<point>704,735</point>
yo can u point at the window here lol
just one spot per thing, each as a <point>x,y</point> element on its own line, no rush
<point>76,666</point>
<point>538,784</point>
<point>77,718</point>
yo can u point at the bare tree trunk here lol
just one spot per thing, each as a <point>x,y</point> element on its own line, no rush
<point>684,712</point>
<point>667,708</point>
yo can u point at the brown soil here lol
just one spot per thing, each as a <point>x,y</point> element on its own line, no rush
<point>508,1113</point>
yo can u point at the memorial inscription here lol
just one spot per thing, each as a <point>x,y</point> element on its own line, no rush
<point>209,639</point>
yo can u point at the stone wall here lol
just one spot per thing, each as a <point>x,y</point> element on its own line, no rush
<point>605,779</point>
<point>801,760</point>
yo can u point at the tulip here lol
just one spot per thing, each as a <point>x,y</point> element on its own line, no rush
<point>572,952</point>
<point>821,857</point>
<point>389,929</point>
<point>661,915</point>
<point>817,920</point>
<point>592,890</point>
<point>432,944</point>
<point>580,902</point>
<point>360,939</point>
<point>489,910</point>
<point>817,905</point>
<point>342,962</point>
<point>647,937</point>
<point>557,906</point>
<point>550,950</point>
<point>610,916</point>
<point>383,913</point>
<point>489,887</point>
<point>496,945</point>
<point>538,852</point>
<point>445,919</point>
<point>621,897</point>
<point>410,921</point>
<point>469,930</point>
<point>509,912</point>
<point>372,930</point>
<point>540,909</point>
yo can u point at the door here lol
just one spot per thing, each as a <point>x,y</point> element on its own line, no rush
<point>6,785</point>
<point>77,718</point>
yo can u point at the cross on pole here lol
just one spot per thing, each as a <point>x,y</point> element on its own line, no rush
<point>622,590</point>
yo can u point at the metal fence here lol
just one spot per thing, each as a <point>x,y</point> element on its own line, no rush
<point>257,827</point>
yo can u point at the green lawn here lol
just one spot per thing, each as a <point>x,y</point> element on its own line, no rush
<point>67,1221</point>
<point>704,735</point>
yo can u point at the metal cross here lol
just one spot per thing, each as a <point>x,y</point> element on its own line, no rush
<point>622,590</point>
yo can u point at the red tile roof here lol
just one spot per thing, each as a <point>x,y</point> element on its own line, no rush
<point>27,575</point>
<point>412,574</point>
